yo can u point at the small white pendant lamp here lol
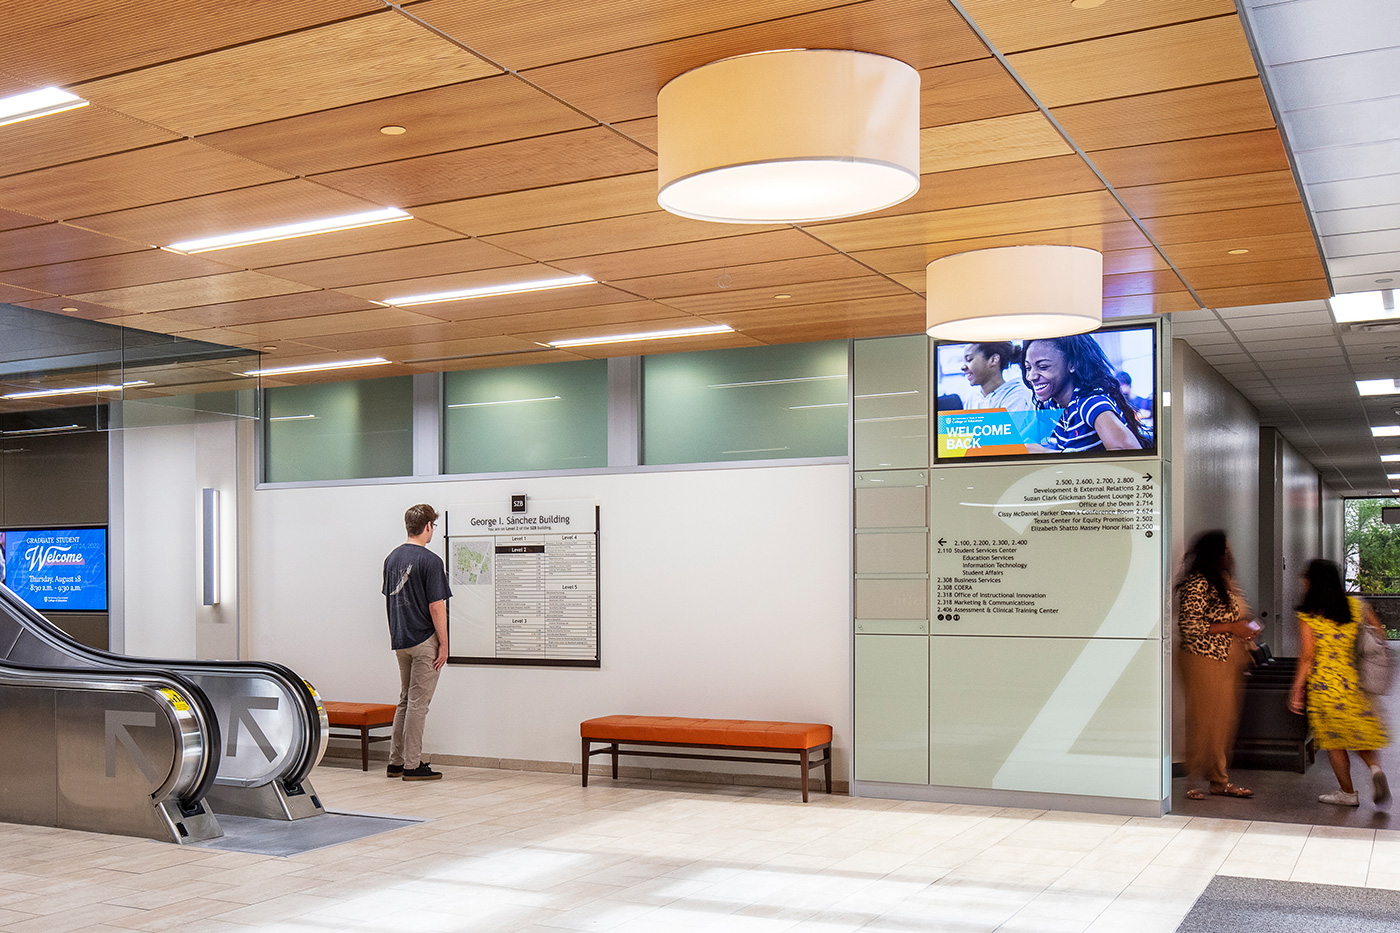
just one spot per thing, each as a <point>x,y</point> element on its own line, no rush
<point>1015,292</point>
<point>789,136</point>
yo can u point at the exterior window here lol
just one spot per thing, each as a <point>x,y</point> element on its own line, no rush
<point>339,430</point>
<point>748,403</point>
<point>553,416</point>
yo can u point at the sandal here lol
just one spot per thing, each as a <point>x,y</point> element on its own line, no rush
<point>1195,793</point>
<point>1232,790</point>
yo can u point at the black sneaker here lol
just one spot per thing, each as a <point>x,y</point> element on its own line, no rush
<point>421,773</point>
<point>394,771</point>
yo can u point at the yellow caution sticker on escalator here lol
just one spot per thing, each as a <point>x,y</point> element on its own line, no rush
<point>175,699</point>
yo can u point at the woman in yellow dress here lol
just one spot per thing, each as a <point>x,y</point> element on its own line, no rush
<point>1342,715</point>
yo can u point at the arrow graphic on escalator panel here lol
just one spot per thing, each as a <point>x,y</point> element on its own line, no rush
<point>118,725</point>
<point>241,713</point>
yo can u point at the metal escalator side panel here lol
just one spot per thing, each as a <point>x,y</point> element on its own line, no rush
<point>261,723</point>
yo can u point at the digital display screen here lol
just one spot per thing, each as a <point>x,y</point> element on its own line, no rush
<point>1087,395</point>
<point>57,568</point>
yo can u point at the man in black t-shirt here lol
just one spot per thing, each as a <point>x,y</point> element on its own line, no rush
<point>415,597</point>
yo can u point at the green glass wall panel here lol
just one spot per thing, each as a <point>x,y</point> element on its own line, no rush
<point>553,416</point>
<point>748,403</point>
<point>892,710</point>
<point>339,430</point>
<point>892,402</point>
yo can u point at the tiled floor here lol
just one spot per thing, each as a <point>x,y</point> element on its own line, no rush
<point>516,851</point>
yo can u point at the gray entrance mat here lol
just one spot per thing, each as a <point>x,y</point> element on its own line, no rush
<point>293,837</point>
<point>1252,905</point>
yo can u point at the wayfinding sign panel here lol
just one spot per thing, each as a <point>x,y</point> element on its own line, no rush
<point>1065,550</point>
<point>524,584</point>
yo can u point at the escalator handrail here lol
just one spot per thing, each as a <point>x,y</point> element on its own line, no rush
<point>298,688</point>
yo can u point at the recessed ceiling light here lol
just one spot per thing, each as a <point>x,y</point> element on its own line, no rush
<point>387,215</point>
<point>1086,4</point>
<point>1236,252</point>
<point>1363,306</point>
<point>488,291</point>
<point>649,335</point>
<point>1384,281</point>
<point>76,390</point>
<point>782,296</point>
<point>268,349</point>
<point>316,367</point>
<point>1378,386</point>
<point>42,103</point>
<point>393,129</point>
<point>1386,430</point>
<point>69,310</point>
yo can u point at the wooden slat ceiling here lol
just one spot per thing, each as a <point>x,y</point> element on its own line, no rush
<point>529,149</point>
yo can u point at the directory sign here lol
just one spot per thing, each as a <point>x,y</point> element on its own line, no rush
<point>1061,550</point>
<point>56,569</point>
<point>524,584</point>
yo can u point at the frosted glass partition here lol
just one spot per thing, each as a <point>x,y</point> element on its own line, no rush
<point>747,403</point>
<point>339,430</point>
<point>891,403</point>
<point>553,416</point>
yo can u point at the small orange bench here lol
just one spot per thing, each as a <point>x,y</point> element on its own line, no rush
<point>362,717</point>
<point>636,735</point>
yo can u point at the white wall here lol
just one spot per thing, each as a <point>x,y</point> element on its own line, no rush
<point>725,593</point>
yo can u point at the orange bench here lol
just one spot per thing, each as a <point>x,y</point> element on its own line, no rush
<point>636,735</point>
<point>361,717</point>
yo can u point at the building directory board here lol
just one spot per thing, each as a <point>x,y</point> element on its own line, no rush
<point>1065,550</point>
<point>524,583</point>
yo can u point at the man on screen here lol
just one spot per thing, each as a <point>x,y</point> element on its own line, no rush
<point>415,594</point>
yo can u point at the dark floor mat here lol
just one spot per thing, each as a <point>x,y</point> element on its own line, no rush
<point>1252,905</point>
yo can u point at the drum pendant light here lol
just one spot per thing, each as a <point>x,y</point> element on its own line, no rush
<point>1015,292</point>
<point>789,136</point>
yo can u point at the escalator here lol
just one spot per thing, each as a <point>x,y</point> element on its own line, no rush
<point>272,723</point>
<point>131,752</point>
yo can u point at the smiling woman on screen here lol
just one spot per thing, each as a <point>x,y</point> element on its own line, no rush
<point>1072,374</point>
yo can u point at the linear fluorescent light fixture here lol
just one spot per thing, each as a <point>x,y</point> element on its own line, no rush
<point>489,291</point>
<point>1392,476</point>
<point>1384,430</point>
<point>649,335</point>
<point>315,367</point>
<point>77,390</point>
<point>42,103</point>
<point>387,215</point>
<point>1363,306</point>
<point>506,401</point>
<point>76,427</point>
<point>1390,458</point>
<point>1378,386</point>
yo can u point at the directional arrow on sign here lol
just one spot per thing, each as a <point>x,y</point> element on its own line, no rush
<point>1147,477</point>
<point>118,724</point>
<point>241,713</point>
<point>942,541</point>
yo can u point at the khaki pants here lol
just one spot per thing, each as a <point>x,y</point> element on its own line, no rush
<point>1214,690</point>
<point>417,681</point>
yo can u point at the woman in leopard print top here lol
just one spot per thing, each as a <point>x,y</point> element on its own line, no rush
<point>1212,616</point>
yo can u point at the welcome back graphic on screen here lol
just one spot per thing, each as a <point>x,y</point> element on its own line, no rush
<point>1085,395</point>
<point>57,569</point>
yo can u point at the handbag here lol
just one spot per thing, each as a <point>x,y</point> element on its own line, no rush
<point>1375,667</point>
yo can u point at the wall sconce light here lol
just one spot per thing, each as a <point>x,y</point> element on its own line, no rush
<point>1015,293</point>
<point>789,136</point>
<point>209,527</point>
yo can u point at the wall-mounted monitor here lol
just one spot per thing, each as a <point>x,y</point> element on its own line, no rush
<point>1083,396</point>
<point>56,569</point>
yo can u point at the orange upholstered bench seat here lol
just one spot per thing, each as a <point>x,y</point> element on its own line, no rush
<point>362,717</point>
<point>802,738</point>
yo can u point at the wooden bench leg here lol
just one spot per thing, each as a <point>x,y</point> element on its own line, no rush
<point>806,765</point>
<point>364,748</point>
<point>614,759</point>
<point>587,748</point>
<point>826,769</point>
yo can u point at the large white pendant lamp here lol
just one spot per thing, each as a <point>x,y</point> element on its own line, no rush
<point>1015,292</point>
<point>789,136</point>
